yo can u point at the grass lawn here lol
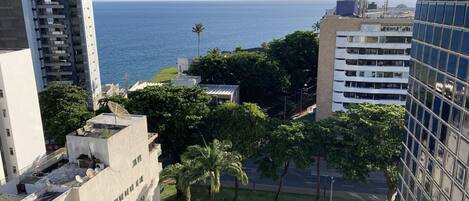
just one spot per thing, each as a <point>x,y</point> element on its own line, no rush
<point>199,193</point>
<point>165,74</point>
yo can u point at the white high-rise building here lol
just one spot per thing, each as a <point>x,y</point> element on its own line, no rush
<point>362,60</point>
<point>21,133</point>
<point>62,38</point>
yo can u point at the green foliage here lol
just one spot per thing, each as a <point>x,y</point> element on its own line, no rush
<point>260,79</point>
<point>372,5</point>
<point>297,55</point>
<point>286,144</point>
<point>368,139</point>
<point>63,110</point>
<point>174,112</point>
<point>166,74</point>
<point>244,125</point>
<point>214,159</point>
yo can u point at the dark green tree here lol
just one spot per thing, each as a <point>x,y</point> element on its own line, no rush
<point>286,145</point>
<point>210,161</point>
<point>368,139</point>
<point>63,110</point>
<point>261,80</point>
<point>320,138</point>
<point>244,125</point>
<point>174,112</point>
<point>297,54</point>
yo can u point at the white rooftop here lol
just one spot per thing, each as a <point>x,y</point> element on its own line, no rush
<point>213,89</point>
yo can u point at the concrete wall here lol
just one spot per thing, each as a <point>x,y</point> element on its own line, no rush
<point>330,25</point>
<point>22,107</point>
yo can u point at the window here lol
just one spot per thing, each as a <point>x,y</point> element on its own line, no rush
<point>446,35</point>
<point>139,158</point>
<point>456,40</point>
<point>431,12</point>
<point>437,36</point>
<point>134,162</point>
<point>429,34</point>
<point>423,12</point>
<point>11,151</point>
<point>8,132</point>
<point>460,173</point>
<point>1,93</point>
<point>463,150</point>
<point>459,17</point>
<point>14,169</point>
<point>452,64</point>
<point>4,113</point>
<point>141,179</point>
<point>131,187</point>
<point>440,11</point>
<point>126,192</point>
<point>449,12</point>
<point>462,70</point>
<point>467,19</point>
<point>442,60</point>
<point>465,42</point>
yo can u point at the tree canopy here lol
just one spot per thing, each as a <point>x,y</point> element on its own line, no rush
<point>261,80</point>
<point>368,139</point>
<point>297,55</point>
<point>244,125</point>
<point>174,112</point>
<point>63,110</point>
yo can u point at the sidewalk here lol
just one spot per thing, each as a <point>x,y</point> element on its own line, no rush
<point>346,196</point>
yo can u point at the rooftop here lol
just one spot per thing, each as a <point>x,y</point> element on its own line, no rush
<point>213,89</point>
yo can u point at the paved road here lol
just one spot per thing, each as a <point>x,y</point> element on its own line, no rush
<point>306,179</point>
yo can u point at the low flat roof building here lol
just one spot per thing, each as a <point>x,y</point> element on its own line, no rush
<point>108,159</point>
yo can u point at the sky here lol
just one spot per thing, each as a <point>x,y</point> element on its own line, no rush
<point>410,3</point>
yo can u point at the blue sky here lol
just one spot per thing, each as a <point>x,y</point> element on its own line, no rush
<point>391,2</point>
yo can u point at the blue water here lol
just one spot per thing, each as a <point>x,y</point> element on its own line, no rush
<point>139,38</point>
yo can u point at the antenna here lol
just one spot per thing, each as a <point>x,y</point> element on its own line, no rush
<point>118,111</point>
<point>386,6</point>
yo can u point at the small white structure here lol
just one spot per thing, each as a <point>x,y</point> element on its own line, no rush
<point>108,159</point>
<point>222,93</point>
<point>21,133</point>
<point>142,85</point>
<point>186,80</point>
<point>111,90</point>
<point>183,65</point>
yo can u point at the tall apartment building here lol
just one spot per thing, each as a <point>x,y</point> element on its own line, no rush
<point>362,60</point>
<point>435,154</point>
<point>21,134</point>
<point>61,36</point>
<point>108,159</point>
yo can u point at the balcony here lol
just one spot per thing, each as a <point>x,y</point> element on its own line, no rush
<point>342,53</point>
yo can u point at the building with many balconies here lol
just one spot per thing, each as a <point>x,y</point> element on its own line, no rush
<point>61,36</point>
<point>362,60</point>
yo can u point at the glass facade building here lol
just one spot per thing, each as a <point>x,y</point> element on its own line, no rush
<point>436,146</point>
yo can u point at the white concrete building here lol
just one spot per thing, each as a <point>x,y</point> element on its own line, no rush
<point>372,65</point>
<point>362,60</point>
<point>62,38</point>
<point>109,159</point>
<point>21,133</point>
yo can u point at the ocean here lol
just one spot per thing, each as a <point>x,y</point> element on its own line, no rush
<point>137,39</point>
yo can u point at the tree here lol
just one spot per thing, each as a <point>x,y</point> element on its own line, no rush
<point>198,29</point>
<point>319,135</point>
<point>63,110</point>
<point>369,139</point>
<point>185,174</point>
<point>210,161</point>
<point>261,80</point>
<point>244,125</point>
<point>372,5</point>
<point>284,146</point>
<point>174,112</point>
<point>297,55</point>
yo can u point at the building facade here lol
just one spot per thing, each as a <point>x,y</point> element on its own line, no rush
<point>61,36</point>
<point>110,158</point>
<point>362,60</point>
<point>435,151</point>
<point>21,133</point>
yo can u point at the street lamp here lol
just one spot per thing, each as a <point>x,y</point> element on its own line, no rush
<point>332,182</point>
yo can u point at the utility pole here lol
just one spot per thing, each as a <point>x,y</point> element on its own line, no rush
<point>332,183</point>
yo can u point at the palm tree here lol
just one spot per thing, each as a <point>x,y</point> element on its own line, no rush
<point>198,29</point>
<point>185,175</point>
<point>214,159</point>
